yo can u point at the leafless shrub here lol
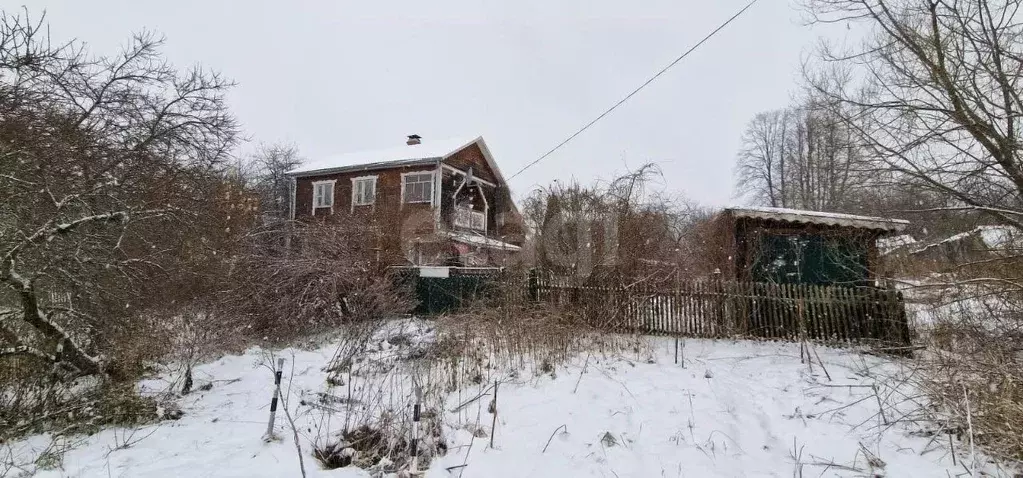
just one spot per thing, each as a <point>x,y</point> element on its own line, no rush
<point>627,227</point>
<point>327,278</point>
<point>506,331</point>
<point>365,417</point>
<point>974,371</point>
<point>50,405</point>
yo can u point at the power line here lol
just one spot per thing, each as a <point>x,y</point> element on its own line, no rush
<point>630,95</point>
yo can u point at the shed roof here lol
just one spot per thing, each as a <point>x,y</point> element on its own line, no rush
<point>802,216</point>
<point>426,152</point>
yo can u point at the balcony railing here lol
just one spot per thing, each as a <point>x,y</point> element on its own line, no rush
<point>470,219</point>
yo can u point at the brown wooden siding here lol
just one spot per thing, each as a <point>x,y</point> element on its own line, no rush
<point>387,214</point>
<point>472,156</point>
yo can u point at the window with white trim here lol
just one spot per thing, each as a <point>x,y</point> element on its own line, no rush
<point>468,218</point>
<point>364,191</point>
<point>417,187</point>
<point>323,194</point>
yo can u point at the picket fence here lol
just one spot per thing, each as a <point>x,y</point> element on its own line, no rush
<point>715,309</point>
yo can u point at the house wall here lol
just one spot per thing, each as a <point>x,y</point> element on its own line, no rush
<point>388,215</point>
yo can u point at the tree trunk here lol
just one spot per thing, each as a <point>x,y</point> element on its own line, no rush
<point>67,350</point>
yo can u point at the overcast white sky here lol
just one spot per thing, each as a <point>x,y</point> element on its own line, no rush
<point>341,76</point>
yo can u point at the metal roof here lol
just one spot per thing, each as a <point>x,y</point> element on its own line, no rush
<point>405,155</point>
<point>819,217</point>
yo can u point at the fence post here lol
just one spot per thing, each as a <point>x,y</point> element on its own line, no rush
<point>273,401</point>
<point>901,317</point>
<point>416,410</point>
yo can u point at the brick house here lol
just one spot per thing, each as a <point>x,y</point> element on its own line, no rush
<point>429,203</point>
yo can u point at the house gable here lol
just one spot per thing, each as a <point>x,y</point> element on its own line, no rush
<point>472,156</point>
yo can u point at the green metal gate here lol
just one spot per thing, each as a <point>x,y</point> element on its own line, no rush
<point>461,287</point>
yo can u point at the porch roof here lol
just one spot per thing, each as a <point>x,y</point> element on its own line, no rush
<point>481,241</point>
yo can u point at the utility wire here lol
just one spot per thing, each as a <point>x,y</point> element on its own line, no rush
<point>630,95</point>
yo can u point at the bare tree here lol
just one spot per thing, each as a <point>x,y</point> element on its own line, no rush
<point>933,96</point>
<point>936,99</point>
<point>760,169</point>
<point>801,157</point>
<point>108,167</point>
<point>618,228</point>
<point>272,162</point>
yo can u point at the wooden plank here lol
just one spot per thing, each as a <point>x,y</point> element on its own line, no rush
<point>792,313</point>
<point>795,312</point>
<point>828,327</point>
<point>847,313</point>
<point>719,309</point>
<point>786,312</point>
<point>802,299</point>
<point>818,317</point>
<point>746,307</point>
<point>694,308</point>
<point>691,309</point>
<point>704,310</point>
<point>813,328</point>
<point>676,310</point>
<point>760,303</point>
<point>858,316</point>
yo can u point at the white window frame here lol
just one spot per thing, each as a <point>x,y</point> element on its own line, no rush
<point>432,182</point>
<point>316,185</point>
<point>355,191</point>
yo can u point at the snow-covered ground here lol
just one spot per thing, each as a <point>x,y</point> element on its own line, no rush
<point>733,408</point>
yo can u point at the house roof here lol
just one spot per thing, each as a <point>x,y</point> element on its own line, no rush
<point>427,152</point>
<point>888,245</point>
<point>993,237</point>
<point>819,217</point>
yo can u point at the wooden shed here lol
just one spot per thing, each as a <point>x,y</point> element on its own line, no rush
<point>791,246</point>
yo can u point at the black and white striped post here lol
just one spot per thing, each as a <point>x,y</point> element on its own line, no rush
<point>273,402</point>
<point>414,442</point>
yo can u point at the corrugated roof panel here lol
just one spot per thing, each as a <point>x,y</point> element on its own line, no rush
<point>819,217</point>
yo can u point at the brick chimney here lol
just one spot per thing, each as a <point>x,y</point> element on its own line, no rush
<point>413,139</point>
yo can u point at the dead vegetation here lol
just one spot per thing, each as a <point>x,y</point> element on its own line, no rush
<point>974,371</point>
<point>456,364</point>
<point>328,278</point>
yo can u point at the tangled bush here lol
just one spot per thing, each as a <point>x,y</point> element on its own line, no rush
<point>974,371</point>
<point>326,277</point>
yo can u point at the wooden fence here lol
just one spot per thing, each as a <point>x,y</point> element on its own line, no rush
<point>829,314</point>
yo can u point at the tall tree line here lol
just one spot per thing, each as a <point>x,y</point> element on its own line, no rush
<point>801,157</point>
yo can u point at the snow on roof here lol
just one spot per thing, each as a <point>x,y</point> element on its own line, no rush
<point>819,217</point>
<point>482,241</point>
<point>993,237</point>
<point>997,237</point>
<point>887,245</point>
<point>427,151</point>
